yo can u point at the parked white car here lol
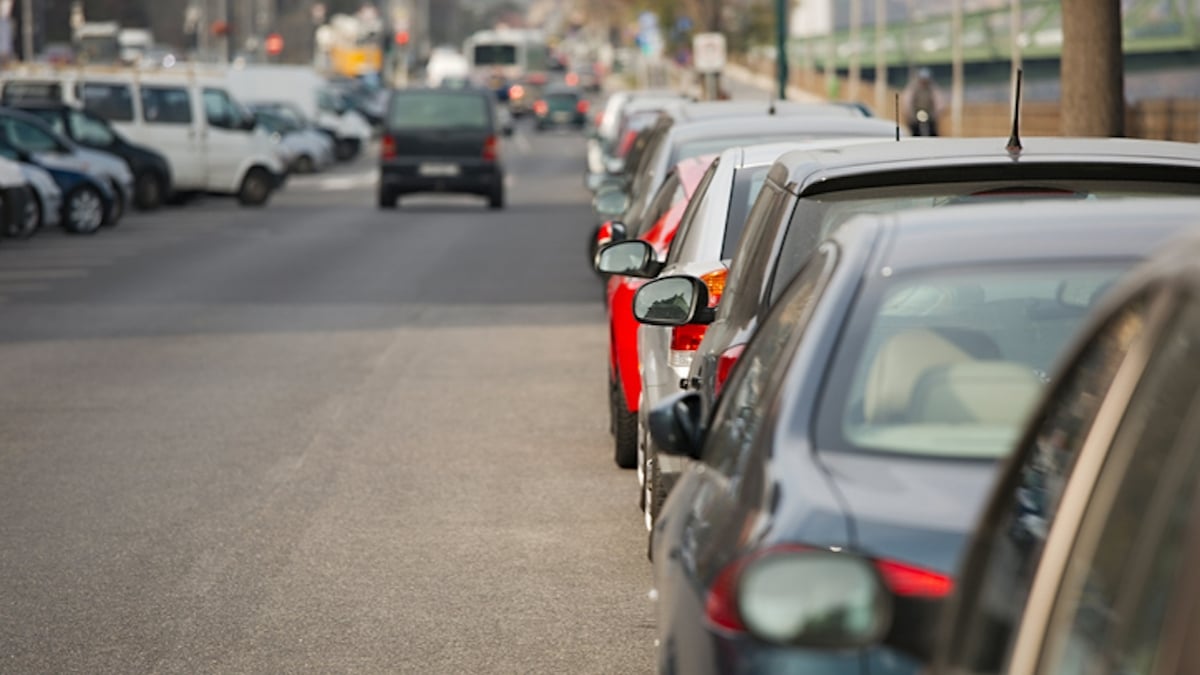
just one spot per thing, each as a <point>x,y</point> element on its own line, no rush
<point>310,150</point>
<point>186,114</point>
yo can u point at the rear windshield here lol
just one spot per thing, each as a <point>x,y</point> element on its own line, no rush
<point>747,183</point>
<point>428,110</point>
<point>562,101</point>
<point>495,55</point>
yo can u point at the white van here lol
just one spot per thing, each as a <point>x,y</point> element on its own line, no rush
<point>307,90</point>
<point>188,116</point>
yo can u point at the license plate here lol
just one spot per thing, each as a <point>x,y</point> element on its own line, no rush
<point>562,117</point>
<point>439,170</point>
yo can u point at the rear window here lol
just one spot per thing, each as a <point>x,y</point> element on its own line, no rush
<point>113,102</point>
<point>443,110</point>
<point>495,55</point>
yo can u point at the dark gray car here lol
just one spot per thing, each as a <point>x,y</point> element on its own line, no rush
<point>868,415</point>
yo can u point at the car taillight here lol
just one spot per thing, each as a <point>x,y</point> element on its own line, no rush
<point>491,148</point>
<point>902,579</point>
<point>571,80</point>
<point>582,107</point>
<point>541,108</point>
<point>725,363</point>
<point>604,235</point>
<point>516,92</point>
<point>685,340</point>
<point>388,147</point>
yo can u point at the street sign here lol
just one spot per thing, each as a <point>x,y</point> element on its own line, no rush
<point>708,52</point>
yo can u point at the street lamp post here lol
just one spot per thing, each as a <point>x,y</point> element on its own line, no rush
<point>781,56</point>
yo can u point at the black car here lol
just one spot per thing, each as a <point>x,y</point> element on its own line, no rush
<point>151,172</point>
<point>561,107</point>
<point>441,140</point>
<point>868,415</point>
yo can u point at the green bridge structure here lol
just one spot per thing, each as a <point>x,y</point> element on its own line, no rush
<point>1158,34</point>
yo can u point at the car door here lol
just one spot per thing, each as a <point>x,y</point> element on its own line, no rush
<point>31,138</point>
<point>172,126</point>
<point>703,522</point>
<point>225,140</point>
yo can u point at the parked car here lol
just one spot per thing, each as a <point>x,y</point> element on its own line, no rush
<point>87,201</point>
<point>44,205</point>
<point>28,133</point>
<point>686,141</point>
<point>606,123</point>
<point>441,140</point>
<point>189,117</point>
<point>868,414</point>
<point>151,172</point>
<point>311,151</point>
<point>809,194</point>
<point>561,107</point>
<point>14,196</point>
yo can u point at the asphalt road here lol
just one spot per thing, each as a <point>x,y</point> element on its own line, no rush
<point>318,438</point>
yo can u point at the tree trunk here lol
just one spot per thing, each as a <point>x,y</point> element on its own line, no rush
<point>1093,70</point>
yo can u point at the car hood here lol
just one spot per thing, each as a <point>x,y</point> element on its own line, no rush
<point>911,509</point>
<point>40,180</point>
<point>106,164</point>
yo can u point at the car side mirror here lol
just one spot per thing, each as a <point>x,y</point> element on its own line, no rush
<point>628,258</point>
<point>249,122</point>
<point>848,607</point>
<point>610,202</point>
<point>673,301</point>
<point>675,425</point>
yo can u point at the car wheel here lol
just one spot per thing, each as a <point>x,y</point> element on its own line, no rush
<point>388,200</point>
<point>305,164</point>
<point>83,210</point>
<point>149,191</point>
<point>624,432</point>
<point>346,149</point>
<point>118,206</point>
<point>256,188</point>
<point>654,493</point>
<point>496,198</point>
<point>30,221</point>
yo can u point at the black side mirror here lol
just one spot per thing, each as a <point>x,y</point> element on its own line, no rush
<point>629,258</point>
<point>673,301</point>
<point>676,425</point>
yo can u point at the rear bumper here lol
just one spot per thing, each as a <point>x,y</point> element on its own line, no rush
<point>474,177</point>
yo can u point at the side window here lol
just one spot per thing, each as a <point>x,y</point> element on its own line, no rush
<point>167,105</point>
<point>28,137</point>
<point>694,207</point>
<point>219,110</point>
<point>1000,567</point>
<point>1130,544</point>
<point>745,400</point>
<point>111,101</point>
<point>89,130</point>
<point>747,274</point>
<point>668,193</point>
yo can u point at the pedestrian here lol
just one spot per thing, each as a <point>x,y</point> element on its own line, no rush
<point>922,104</point>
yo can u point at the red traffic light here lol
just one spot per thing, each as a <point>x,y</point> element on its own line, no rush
<point>274,44</point>
<point>401,37</point>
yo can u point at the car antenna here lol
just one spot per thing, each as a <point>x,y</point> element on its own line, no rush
<point>897,108</point>
<point>1014,141</point>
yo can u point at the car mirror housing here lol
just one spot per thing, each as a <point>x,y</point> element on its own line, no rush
<point>814,598</point>
<point>628,258</point>
<point>610,202</point>
<point>673,301</point>
<point>676,425</point>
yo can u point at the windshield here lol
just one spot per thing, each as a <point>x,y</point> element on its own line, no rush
<point>495,55</point>
<point>949,363</point>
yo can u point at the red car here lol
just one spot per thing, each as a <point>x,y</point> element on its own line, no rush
<point>625,383</point>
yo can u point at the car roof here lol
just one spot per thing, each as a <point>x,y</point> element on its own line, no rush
<point>707,110</point>
<point>1021,231</point>
<point>767,153</point>
<point>754,125</point>
<point>812,172</point>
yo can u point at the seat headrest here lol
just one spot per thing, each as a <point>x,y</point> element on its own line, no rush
<point>978,392</point>
<point>900,363</point>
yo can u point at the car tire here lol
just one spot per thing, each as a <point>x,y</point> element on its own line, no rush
<point>305,164</point>
<point>625,426</point>
<point>346,149</point>
<point>256,187</point>
<point>29,222</point>
<point>83,210</point>
<point>388,200</point>
<point>118,208</point>
<point>496,196</point>
<point>654,493</point>
<point>149,191</point>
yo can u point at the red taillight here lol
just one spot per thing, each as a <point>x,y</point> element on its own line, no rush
<point>913,582</point>
<point>687,338</point>
<point>720,605</point>
<point>582,107</point>
<point>388,147</point>
<point>725,363</point>
<point>516,92</point>
<point>571,80</point>
<point>541,108</point>
<point>491,148</point>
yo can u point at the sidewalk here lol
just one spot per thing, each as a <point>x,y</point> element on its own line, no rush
<point>766,84</point>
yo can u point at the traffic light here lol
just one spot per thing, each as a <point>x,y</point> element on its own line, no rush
<point>274,44</point>
<point>401,37</point>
